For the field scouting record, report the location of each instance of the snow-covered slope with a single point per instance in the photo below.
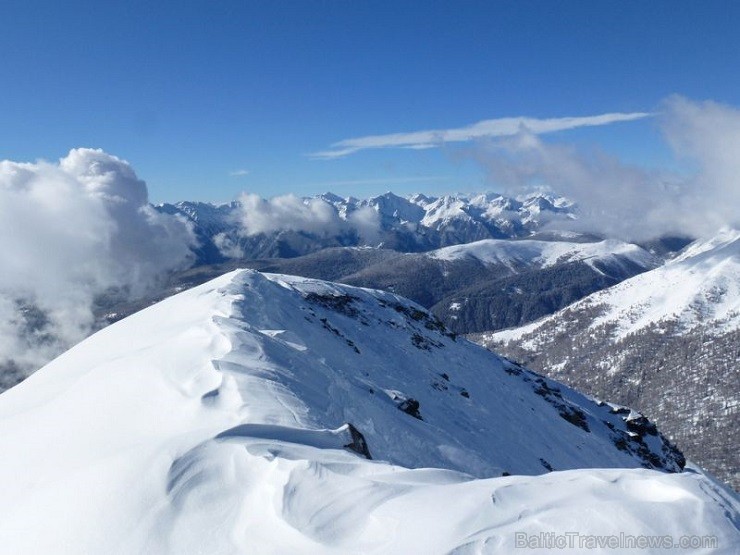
(665, 341)
(240, 417)
(701, 286)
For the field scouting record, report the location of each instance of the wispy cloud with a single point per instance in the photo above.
(623, 200)
(501, 127)
(239, 173)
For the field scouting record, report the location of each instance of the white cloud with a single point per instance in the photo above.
(70, 232)
(239, 173)
(625, 200)
(612, 197)
(366, 221)
(501, 127)
(707, 134)
(289, 212)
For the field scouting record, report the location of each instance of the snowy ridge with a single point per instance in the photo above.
(239, 417)
(700, 286)
(528, 253)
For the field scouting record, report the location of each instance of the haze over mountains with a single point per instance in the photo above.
(481, 286)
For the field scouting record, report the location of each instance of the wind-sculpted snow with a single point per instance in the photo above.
(269, 414)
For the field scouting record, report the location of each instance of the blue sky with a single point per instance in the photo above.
(192, 93)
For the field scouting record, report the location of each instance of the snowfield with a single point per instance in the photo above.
(269, 414)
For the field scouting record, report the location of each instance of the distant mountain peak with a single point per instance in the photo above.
(411, 224)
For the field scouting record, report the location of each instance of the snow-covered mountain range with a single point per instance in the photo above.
(272, 414)
(482, 263)
(486, 285)
(665, 341)
(535, 267)
(289, 226)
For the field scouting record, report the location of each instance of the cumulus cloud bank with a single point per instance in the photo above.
(625, 200)
(501, 127)
(287, 212)
(70, 232)
(310, 215)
